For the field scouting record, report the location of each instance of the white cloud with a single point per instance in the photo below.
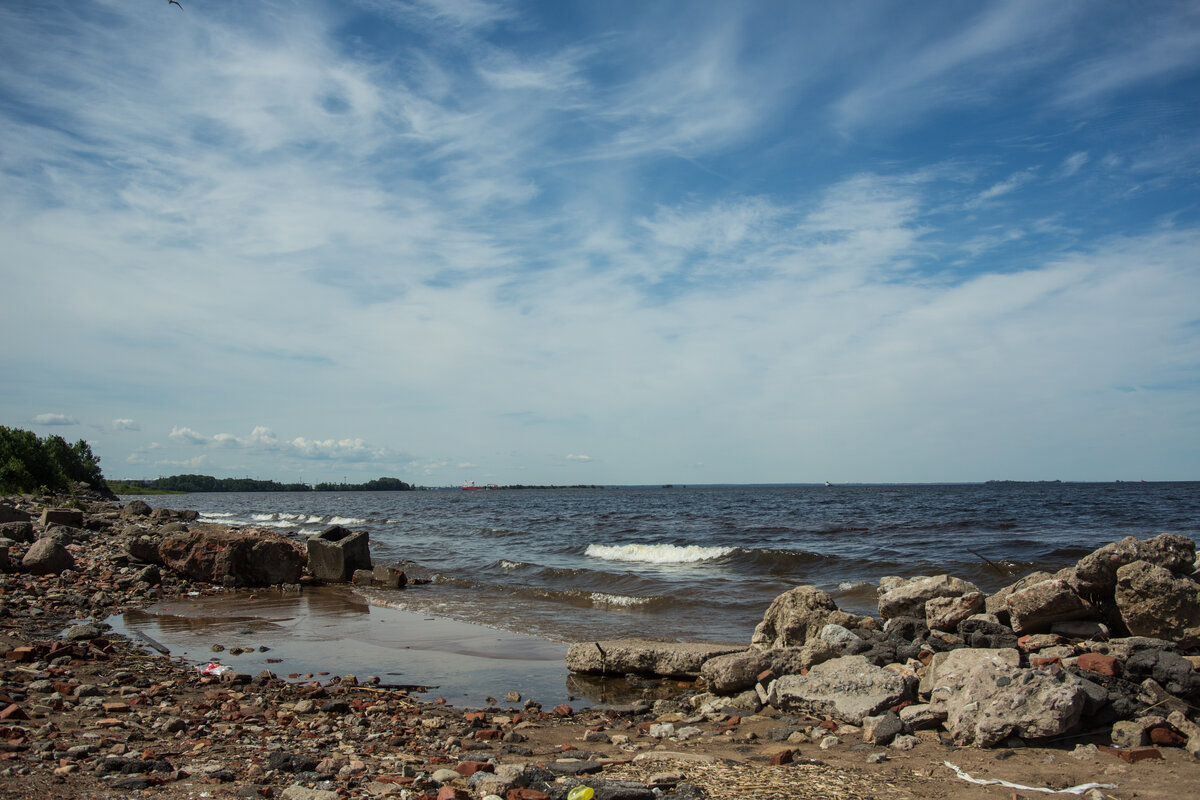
(54, 419)
(125, 425)
(187, 435)
(1009, 184)
(578, 457)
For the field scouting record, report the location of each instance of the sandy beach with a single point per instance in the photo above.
(321, 702)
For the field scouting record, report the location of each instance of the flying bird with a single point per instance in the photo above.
(175, 2)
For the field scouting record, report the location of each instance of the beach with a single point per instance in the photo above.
(96, 711)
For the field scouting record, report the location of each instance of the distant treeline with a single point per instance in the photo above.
(29, 463)
(207, 483)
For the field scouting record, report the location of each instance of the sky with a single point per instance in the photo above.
(604, 242)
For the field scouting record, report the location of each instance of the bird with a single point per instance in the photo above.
(175, 2)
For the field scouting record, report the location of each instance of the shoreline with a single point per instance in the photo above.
(95, 715)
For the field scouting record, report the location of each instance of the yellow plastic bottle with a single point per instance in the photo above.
(580, 793)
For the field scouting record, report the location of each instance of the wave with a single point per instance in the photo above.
(656, 553)
(217, 515)
(284, 520)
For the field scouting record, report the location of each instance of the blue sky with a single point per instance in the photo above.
(619, 242)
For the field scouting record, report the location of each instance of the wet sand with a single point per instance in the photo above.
(333, 631)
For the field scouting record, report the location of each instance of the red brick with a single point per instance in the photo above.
(453, 793)
(1099, 663)
(526, 794)
(562, 710)
(1164, 736)
(13, 711)
(1037, 662)
(469, 768)
(781, 758)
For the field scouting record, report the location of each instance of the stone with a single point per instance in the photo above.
(1082, 629)
(362, 577)
(390, 576)
(793, 618)
(71, 517)
(849, 688)
(645, 657)
(987, 707)
(882, 728)
(299, 792)
(945, 613)
(948, 670)
(336, 552)
(47, 557)
(909, 598)
(1035, 608)
(1096, 574)
(1171, 671)
(734, 672)
(88, 630)
(10, 514)
(17, 531)
(1153, 602)
(920, 716)
(136, 508)
(242, 557)
(1189, 729)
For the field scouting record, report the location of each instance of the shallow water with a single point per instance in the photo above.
(704, 563)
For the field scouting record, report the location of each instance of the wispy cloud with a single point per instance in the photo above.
(125, 425)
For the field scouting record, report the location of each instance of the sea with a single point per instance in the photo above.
(702, 563)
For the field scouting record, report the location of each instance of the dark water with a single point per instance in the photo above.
(704, 563)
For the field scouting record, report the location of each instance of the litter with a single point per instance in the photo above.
(1080, 789)
(213, 668)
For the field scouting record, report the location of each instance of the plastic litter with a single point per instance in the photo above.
(1080, 789)
(580, 792)
(213, 668)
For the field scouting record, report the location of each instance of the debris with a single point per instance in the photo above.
(1080, 789)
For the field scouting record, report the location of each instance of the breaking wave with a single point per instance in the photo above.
(656, 553)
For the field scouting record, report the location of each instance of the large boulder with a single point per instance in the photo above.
(242, 557)
(945, 613)
(136, 508)
(17, 531)
(1153, 602)
(336, 552)
(47, 556)
(1037, 607)
(794, 617)
(849, 688)
(645, 657)
(908, 598)
(1096, 573)
(997, 604)
(988, 706)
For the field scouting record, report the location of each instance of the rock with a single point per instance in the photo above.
(1189, 729)
(390, 576)
(849, 688)
(89, 630)
(71, 517)
(945, 613)
(299, 792)
(1082, 629)
(1153, 602)
(985, 631)
(17, 531)
(10, 514)
(362, 577)
(793, 617)
(1169, 669)
(136, 508)
(881, 729)
(948, 670)
(1036, 608)
(908, 599)
(645, 657)
(734, 672)
(335, 553)
(920, 716)
(47, 557)
(997, 604)
(1096, 574)
(243, 557)
(987, 707)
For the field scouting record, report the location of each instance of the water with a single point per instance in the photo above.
(704, 563)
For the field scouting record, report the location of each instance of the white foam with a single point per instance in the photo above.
(217, 515)
(656, 553)
(505, 564)
(264, 517)
(619, 600)
(340, 520)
